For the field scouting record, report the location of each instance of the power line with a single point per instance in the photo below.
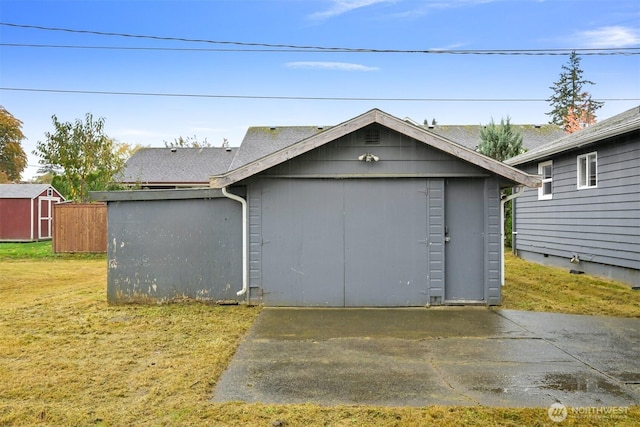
(560, 52)
(179, 49)
(291, 47)
(294, 98)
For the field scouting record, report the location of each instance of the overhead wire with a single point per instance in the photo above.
(251, 46)
(297, 98)
(530, 52)
(268, 47)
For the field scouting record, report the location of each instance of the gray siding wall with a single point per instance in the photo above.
(492, 242)
(435, 240)
(601, 225)
(160, 250)
(254, 203)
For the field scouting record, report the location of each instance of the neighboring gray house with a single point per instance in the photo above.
(373, 212)
(586, 215)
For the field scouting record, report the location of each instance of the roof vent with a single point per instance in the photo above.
(372, 137)
(273, 127)
(174, 149)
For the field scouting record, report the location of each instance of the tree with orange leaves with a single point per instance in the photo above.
(13, 159)
(572, 107)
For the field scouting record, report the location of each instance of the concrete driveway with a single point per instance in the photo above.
(444, 356)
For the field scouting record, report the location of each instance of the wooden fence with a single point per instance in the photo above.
(80, 228)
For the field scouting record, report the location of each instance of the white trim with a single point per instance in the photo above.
(587, 172)
(541, 166)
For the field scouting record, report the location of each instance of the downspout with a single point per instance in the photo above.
(244, 238)
(516, 194)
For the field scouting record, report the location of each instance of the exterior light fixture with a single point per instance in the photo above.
(368, 157)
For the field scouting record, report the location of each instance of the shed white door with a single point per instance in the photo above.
(45, 216)
(344, 242)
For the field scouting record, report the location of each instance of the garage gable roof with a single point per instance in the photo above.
(373, 116)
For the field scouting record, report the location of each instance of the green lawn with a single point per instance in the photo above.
(37, 250)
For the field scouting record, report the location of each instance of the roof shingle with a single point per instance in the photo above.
(179, 165)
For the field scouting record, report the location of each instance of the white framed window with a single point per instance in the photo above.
(588, 171)
(545, 192)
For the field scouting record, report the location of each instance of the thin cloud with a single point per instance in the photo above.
(427, 7)
(615, 36)
(452, 46)
(343, 6)
(341, 66)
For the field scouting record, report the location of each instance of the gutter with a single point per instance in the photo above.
(244, 238)
(515, 195)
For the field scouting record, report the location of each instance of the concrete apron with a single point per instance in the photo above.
(437, 356)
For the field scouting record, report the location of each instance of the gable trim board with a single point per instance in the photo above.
(368, 118)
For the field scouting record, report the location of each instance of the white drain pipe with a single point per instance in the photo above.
(244, 238)
(516, 194)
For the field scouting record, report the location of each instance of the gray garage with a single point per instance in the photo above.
(373, 212)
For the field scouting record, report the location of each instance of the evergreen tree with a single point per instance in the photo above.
(570, 99)
(500, 142)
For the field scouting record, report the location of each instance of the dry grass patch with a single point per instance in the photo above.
(68, 358)
(533, 287)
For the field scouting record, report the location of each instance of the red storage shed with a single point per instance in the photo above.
(26, 212)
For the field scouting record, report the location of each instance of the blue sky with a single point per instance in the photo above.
(402, 84)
